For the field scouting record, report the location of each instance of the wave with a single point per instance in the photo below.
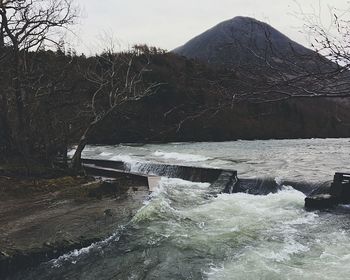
(123, 158)
(105, 154)
(180, 156)
(75, 255)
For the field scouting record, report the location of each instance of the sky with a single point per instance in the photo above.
(171, 23)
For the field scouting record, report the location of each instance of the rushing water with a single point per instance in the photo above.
(185, 232)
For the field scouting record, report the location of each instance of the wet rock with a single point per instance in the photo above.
(4, 255)
(44, 219)
(320, 201)
(338, 193)
(257, 186)
(340, 187)
(108, 212)
(112, 188)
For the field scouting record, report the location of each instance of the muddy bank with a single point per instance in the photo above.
(43, 218)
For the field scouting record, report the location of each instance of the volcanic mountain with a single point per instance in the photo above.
(247, 41)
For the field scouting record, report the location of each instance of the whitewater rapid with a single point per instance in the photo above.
(185, 231)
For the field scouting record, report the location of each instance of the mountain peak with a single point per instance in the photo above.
(238, 39)
(239, 19)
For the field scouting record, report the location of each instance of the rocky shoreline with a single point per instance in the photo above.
(42, 219)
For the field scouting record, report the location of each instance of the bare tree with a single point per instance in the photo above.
(118, 79)
(2, 36)
(333, 42)
(27, 25)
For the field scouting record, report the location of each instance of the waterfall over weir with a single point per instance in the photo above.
(145, 169)
(222, 180)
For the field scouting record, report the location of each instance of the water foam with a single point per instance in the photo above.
(161, 201)
(106, 154)
(75, 255)
(71, 152)
(180, 156)
(124, 158)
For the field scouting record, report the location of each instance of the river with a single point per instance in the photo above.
(185, 232)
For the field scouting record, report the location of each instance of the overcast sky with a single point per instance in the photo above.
(170, 23)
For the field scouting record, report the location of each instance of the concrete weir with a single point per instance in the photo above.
(151, 172)
(150, 180)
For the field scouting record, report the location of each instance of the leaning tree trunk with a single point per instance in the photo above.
(2, 37)
(76, 164)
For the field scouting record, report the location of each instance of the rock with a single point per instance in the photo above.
(338, 193)
(108, 213)
(4, 254)
(320, 201)
(340, 187)
(29, 234)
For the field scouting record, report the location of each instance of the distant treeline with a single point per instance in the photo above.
(193, 102)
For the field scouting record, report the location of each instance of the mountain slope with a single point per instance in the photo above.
(247, 41)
